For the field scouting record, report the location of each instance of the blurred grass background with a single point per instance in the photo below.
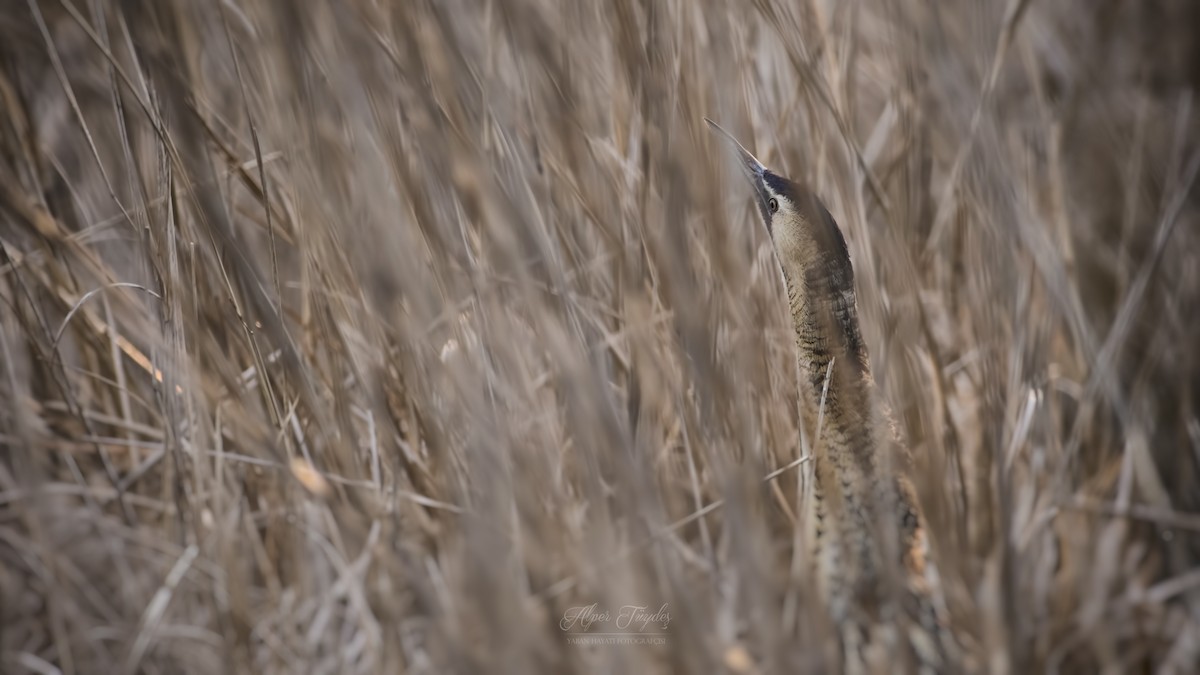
(365, 336)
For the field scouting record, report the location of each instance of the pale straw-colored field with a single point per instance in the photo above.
(354, 336)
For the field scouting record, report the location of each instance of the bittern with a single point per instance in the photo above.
(863, 505)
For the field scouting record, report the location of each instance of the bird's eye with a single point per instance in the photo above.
(773, 205)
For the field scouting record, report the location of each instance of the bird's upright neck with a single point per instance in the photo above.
(834, 366)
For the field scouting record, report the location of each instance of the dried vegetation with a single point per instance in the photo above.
(369, 336)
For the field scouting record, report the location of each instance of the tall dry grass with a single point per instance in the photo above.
(369, 336)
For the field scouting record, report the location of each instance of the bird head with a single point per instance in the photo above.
(808, 243)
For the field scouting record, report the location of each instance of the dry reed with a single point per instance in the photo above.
(365, 336)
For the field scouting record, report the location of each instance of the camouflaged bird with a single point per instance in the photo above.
(864, 528)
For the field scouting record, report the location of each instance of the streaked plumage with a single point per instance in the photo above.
(865, 528)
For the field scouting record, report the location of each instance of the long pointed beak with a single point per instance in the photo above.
(751, 168)
(750, 165)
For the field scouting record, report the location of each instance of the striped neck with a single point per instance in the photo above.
(834, 366)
